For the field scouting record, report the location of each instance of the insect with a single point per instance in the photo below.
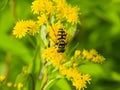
(60, 37)
(61, 40)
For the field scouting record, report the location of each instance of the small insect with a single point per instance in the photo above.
(61, 40)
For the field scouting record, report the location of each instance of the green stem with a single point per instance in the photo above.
(33, 82)
(44, 80)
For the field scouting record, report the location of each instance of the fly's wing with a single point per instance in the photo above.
(72, 32)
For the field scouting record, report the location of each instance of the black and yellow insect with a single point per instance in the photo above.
(61, 40)
(58, 36)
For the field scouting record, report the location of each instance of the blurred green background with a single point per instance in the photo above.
(99, 29)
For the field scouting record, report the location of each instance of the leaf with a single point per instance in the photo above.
(50, 83)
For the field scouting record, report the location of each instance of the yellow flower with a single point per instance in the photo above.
(98, 59)
(32, 27)
(20, 29)
(77, 53)
(71, 14)
(2, 77)
(86, 77)
(80, 84)
(51, 54)
(93, 52)
(24, 27)
(93, 56)
(73, 74)
(42, 6)
(42, 19)
(9, 84)
(70, 73)
(49, 7)
(19, 86)
(37, 6)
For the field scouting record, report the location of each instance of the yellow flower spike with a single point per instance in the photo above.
(85, 53)
(80, 84)
(32, 27)
(20, 29)
(42, 6)
(77, 53)
(38, 6)
(49, 7)
(98, 59)
(51, 54)
(93, 52)
(71, 14)
(2, 77)
(19, 86)
(42, 19)
(9, 84)
(86, 77)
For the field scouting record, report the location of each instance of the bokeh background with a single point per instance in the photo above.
(99, 29)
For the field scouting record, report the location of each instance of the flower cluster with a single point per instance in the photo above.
(48, 12)
(57, 8)
(56, 15)
(86, 56)
(93, 56)
(51, 54)
(73, 74)
(24, 27)
(69, 68)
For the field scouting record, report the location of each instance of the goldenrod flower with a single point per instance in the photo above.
(86, 77)
(19, 86)
(93, 56)
(49, 8)
(73, 74)
(87, 55)
(42, 6)
(71, 14)
(42, 19)
(51, 54)
(37, 6)
(93, 52)
(77, 53)
(98, 59)
(24, 27)
(80, 83)
(32, 27)
(2, 77)
(20, 29)
(9, 84)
